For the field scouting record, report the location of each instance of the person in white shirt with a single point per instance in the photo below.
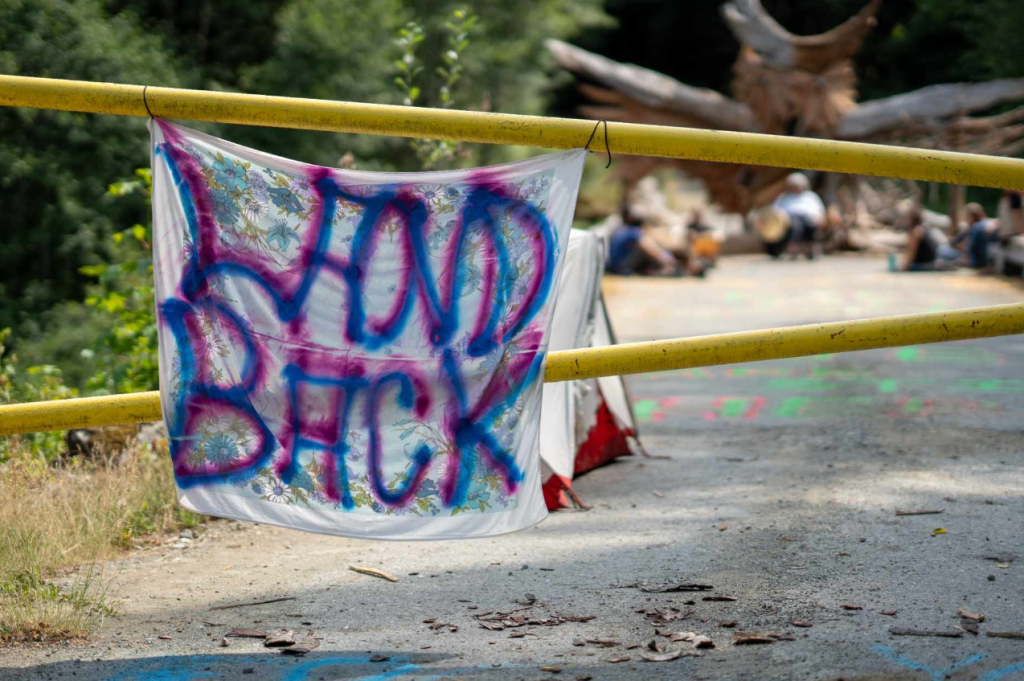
(806, 212)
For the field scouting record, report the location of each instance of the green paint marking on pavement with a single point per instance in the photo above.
(643, 409)
(913, 406)
(734, 407)
(822, 406)
(792, 406)
(802, 385)
(995, 385)
(887, 385)
(910, 354)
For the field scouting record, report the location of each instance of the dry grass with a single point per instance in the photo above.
(58, 523)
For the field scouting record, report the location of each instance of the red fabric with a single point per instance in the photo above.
(605, 441)
(554, 492)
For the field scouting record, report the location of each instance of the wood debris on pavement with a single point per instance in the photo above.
(280, 639)
(526, 616)
(703, 642)
(664, 616)
(373, 572)
(246, 633)
(968, 615)
(246, 605)
(661, 657)
(745, 639)
(900, 631)
(302, 647)
(674, 588)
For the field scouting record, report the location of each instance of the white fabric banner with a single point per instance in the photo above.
(356, 353)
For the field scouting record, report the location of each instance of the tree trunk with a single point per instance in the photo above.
(780, 49)
(931, 103)
(655, 90)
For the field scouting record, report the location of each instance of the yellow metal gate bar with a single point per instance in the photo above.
(535, 131)
(630, 358)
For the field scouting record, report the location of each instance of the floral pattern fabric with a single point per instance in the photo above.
(356, 353)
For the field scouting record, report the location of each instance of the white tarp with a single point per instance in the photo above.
(580, 321)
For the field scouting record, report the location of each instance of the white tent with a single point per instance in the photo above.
(584, 424)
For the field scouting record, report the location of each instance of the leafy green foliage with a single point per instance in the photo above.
(54, 166)
(409, 37)
(432, 153)
(30, 384)
(127, 353)
(328, 49)
(216, 38)
(122, 357)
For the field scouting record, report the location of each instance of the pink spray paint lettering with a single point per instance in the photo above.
(350, 341)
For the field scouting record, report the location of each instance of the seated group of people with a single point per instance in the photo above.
(929, 250)
(791, 224)
(633, 251)
(793, 221)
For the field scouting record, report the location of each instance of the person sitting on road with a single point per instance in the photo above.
(805, 210)
(926, 250)
(701, 247)
(697, 226)
(979, 234)
(630, 251)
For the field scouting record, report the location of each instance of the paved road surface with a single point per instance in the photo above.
(781, 491)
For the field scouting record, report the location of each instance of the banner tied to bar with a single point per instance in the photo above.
(355, 353)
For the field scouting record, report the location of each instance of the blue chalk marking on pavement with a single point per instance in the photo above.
(192, 667)
(277, 667)
(997, 674)
(302, 672)
(890, 654)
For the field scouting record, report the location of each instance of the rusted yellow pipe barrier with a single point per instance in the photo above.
(81, 412)
(793, 341)
(534, 131)
(615, 360)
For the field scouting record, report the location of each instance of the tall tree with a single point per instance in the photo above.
(215, 38)
(345, 50)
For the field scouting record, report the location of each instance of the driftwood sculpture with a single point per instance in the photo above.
(792, 85)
